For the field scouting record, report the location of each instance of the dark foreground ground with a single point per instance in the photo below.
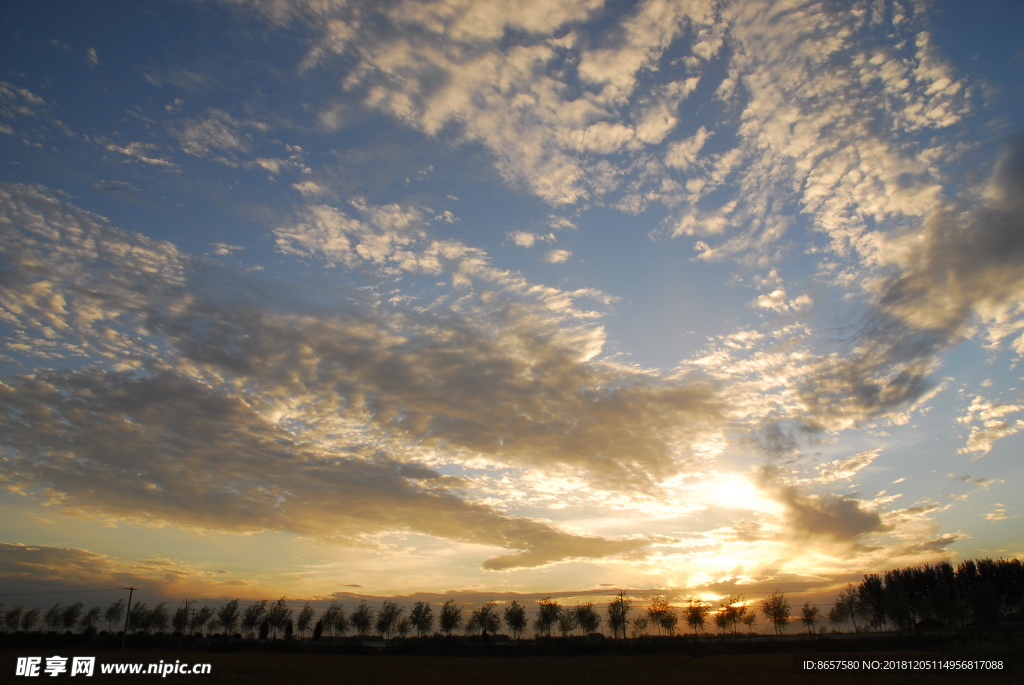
(655, 669)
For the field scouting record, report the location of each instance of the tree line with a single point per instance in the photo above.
(975, 593)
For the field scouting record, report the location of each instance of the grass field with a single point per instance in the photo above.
(267, 669)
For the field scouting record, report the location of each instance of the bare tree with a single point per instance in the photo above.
(451, 617)
(515, 619)
(809, 616)
(618, 615)
(422, 618)
(775, 608)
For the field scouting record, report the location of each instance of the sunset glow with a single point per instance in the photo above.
(452, 296)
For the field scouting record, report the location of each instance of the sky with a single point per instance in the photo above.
(303, 297)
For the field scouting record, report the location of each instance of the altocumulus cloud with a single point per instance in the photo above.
(233, 416)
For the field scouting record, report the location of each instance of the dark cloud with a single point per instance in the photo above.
(168, 449)
(832, 518)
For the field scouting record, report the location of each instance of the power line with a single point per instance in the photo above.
(56, 592)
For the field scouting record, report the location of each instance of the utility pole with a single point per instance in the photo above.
(127, 614)
(184, 627)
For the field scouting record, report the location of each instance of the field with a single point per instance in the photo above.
(662, 669)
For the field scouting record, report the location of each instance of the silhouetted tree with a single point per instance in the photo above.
(139, 618)
(722, 621)
(114, 614)
(451, 617)
(159, 617)
(70, 615)
(618, 615)
(639, 625)
(487, 617)
(809, 616)
(201, 619)
(90, 618)
(12, 618)
(749, 619)
(341, 623)
(318, 630)
(362, 618)
(872, 597)
(264, 629)
(697, 614)
(53, 617)
(388, 617)
(515, 619)
(732, 611)
(29, 619)
(278, 616)
(229, 615)
(331, 614)
(587, 617)
(288, 628)
(403, 626)
(422, 618)
(548, 611)
(180, 620)
(305, 621)
(567, 621)
(213, 626)
(775, 608)
(656, 610)
(253, 616)
(845, 608)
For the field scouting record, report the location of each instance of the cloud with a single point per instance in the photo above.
(222, 249)
(557, 256)
(139, 152)
(964, 264)
(38, 569)
(219, 132)
(260, 414)
(837, 518)
(847, 468)
(543, 105)
(91, 57)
